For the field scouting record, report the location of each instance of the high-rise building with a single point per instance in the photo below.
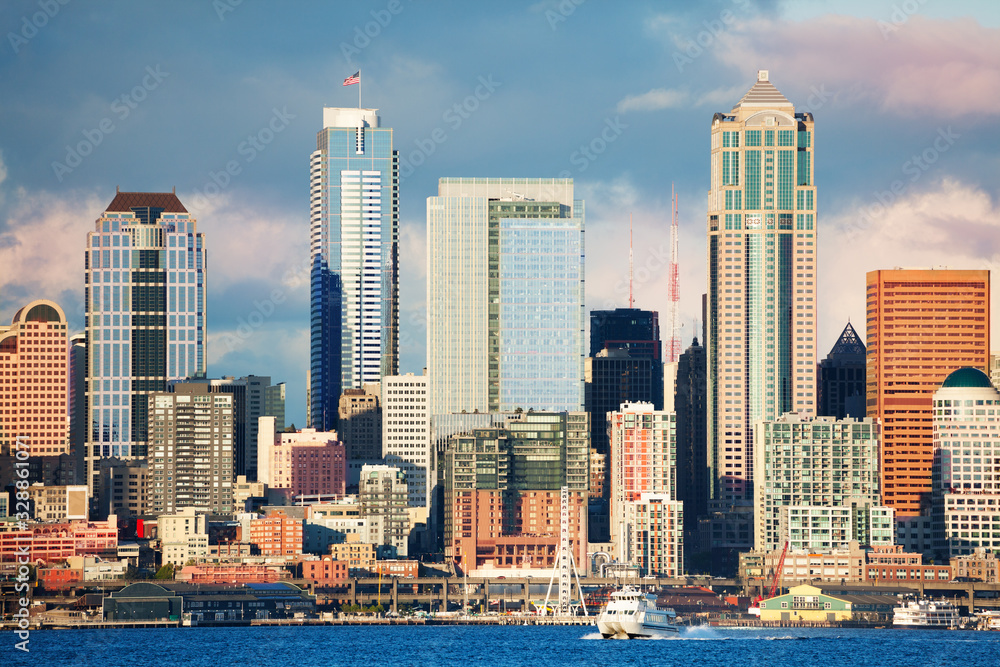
(922, 325)
(841, 378)
(125, 487)
(250, 402)
(191, 449)
(643, 460)
(384, 497)
(354, 211)
(761, 345)
(806, 465)
(502, 485)
(655, 539)
(302, 463)
(78, 404)
(625, 366)
(966, 472)
(692, 452)
(33, 364)
(505, 295)
(360, 428)
(406, 433)
(145, 318)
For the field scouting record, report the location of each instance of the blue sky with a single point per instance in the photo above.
(618, 96)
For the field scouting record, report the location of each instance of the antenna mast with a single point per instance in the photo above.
(673, 289)
(630, 260)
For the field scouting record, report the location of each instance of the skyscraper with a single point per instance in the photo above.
(692, 459)
(841, 378)
(33, 359)
(922, 325)
(354, 212)
(761, 346)
(505, 295)
(406, 433)
(145, 317)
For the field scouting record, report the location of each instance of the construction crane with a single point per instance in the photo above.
(777, 577)
(673, 287)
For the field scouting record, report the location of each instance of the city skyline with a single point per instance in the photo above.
(906, 149)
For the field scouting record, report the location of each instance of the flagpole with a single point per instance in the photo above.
(359, 87)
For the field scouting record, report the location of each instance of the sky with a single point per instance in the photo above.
(222, 99)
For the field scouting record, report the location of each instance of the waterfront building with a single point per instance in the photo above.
(301, 463)
(655, 541)
(191, 449)
(183, 535)
(762, 243)
(841, 378)
(805, 464)
(502, 493)
(852, 564)
(33, 381)
(326, 571)
(354, 213)
(966, 470)
(922, 326)
(406, 433)
(980, 565)
(144, 298)
(643, 460)
(384, 495)
(276, 534)
(55, 542)
(811, 604)
(359, 556)
(505, 296)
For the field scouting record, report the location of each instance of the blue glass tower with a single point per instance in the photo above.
(354, 213)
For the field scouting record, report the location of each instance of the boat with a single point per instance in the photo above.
(633, 614)
(925, 615)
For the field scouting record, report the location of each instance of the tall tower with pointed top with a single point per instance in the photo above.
(761, 344)
(840, 378)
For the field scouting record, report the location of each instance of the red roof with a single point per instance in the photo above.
(126, 201)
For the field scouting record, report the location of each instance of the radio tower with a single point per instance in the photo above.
(673, 290)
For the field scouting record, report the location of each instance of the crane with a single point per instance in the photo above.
(777, 577)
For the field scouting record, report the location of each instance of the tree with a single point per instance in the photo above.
(165, 572)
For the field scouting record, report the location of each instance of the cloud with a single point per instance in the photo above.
(3, 169)
(667, 98)
(949, 223)
(943, 68)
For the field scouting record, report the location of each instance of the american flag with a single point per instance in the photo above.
(353, 79)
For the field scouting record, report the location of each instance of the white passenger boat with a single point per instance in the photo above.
(925, 615)
(632, 613)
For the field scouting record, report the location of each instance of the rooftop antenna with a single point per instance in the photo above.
(630, 261)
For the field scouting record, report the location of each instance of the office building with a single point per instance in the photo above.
(276, 534)
(922, 326)
(841, 378)
(183, 535)
(59, 503)
(502, 493)
(78, 404)
(125, 487)
(406, 433)
(692, 452)
(966, 470)
(33, 363)
(655, 539)
(354, 213)
(191, 449)
(819, 462)
(360, 428)
(762, 229)
(145, 316)
(505, 295)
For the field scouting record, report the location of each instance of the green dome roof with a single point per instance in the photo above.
(967, 377)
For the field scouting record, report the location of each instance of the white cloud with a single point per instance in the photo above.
(3, 169)
(654, 100)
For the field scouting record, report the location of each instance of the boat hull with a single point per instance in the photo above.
(618, 629)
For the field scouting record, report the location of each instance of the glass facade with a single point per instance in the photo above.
(354, 254)
(505, 295)
(761, 346)
(145, 317)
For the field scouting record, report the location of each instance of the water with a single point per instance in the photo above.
(528, 646)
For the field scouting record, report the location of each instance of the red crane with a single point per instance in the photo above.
(777, 576)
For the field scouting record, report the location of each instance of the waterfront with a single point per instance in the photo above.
(532, 646)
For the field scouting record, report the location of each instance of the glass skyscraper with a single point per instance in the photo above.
(505, 295)
(354, 213)
(761, 346)
(144, 300)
